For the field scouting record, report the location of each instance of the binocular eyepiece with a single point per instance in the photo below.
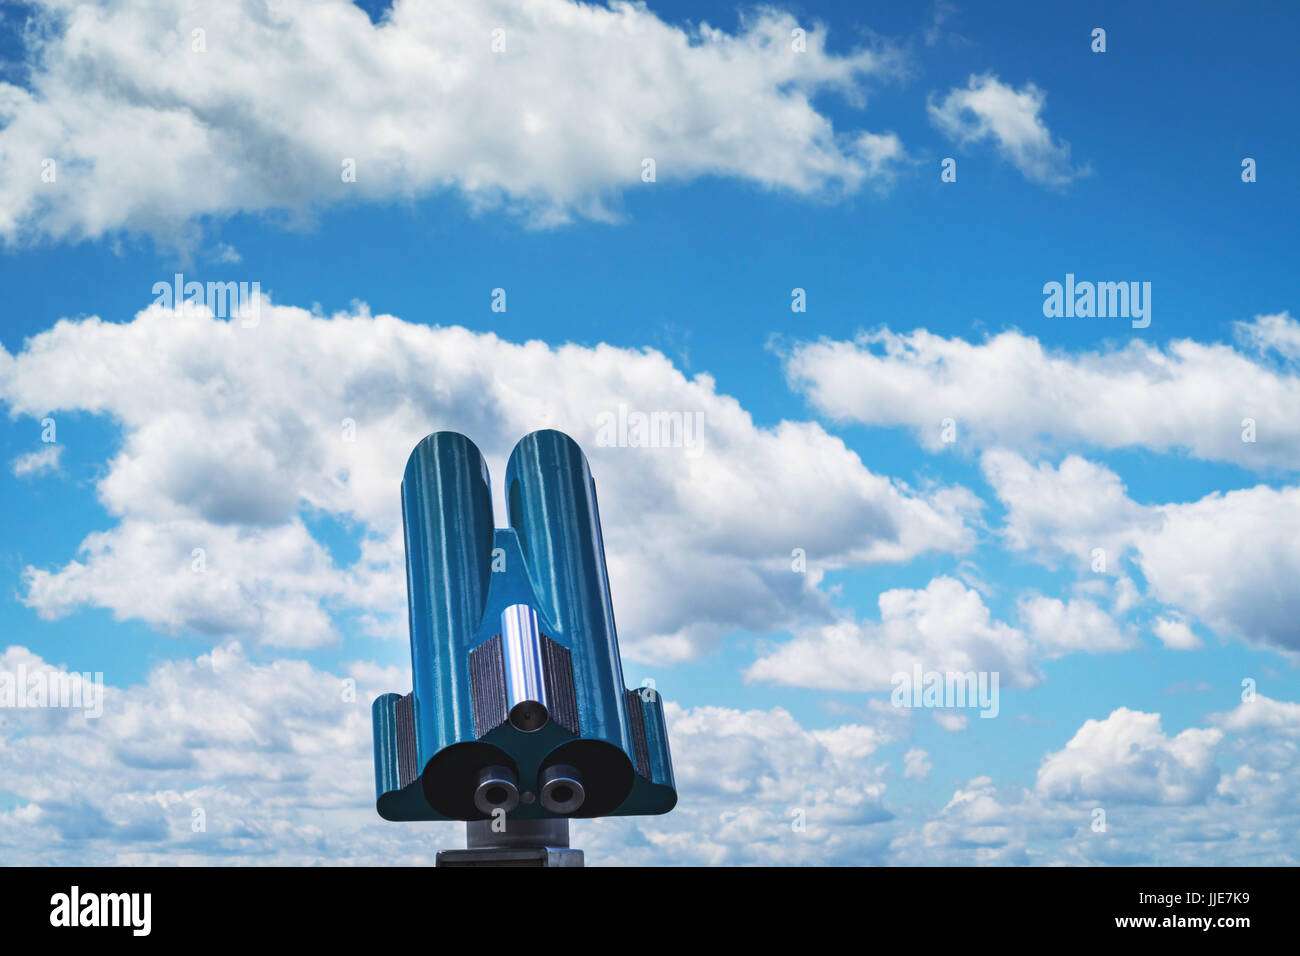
(559, 789)
(497, 789)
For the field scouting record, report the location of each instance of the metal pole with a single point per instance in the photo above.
(519, 843)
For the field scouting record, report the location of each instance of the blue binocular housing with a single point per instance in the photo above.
(519, 704)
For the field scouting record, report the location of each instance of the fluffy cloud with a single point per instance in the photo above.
(1175, 633)
(1066, 627)
(1264, 734)
(157, 113)
(234, 440)
(1011, 391)
(1065, 511)
(1279, 717)
(1127, 768)
(1126, 758)
(988, 109)
(1226, 558)
(943, 627)
(982, 825)
(953, 723)
(1230, 559)
(273, 757)
(1271, 333)
(756, 787)
(916, 764)
(206, 577)
(37, 462)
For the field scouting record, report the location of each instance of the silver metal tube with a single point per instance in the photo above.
(520, 833)
(525, 679)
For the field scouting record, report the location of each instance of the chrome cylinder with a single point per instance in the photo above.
(479, 834)
(521, 646)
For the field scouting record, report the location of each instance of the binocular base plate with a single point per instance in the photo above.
(520, 843)
(511, 856)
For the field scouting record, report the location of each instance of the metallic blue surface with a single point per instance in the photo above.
(385, 742)
(447, 512)
(462, 574)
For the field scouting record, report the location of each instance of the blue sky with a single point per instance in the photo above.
(1123, 165)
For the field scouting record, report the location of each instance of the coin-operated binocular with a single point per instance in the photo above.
(519, 718)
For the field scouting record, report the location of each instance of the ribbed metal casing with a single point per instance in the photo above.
(490, 688)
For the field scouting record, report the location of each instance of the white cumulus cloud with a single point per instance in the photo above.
(1127, 758)
(1226, 558)
(1175, 633)
(1067, 627)
(988, 109)
(1012, 392)
(943, 627)
(158, 112)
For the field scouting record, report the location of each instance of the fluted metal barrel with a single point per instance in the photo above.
(447, 513)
